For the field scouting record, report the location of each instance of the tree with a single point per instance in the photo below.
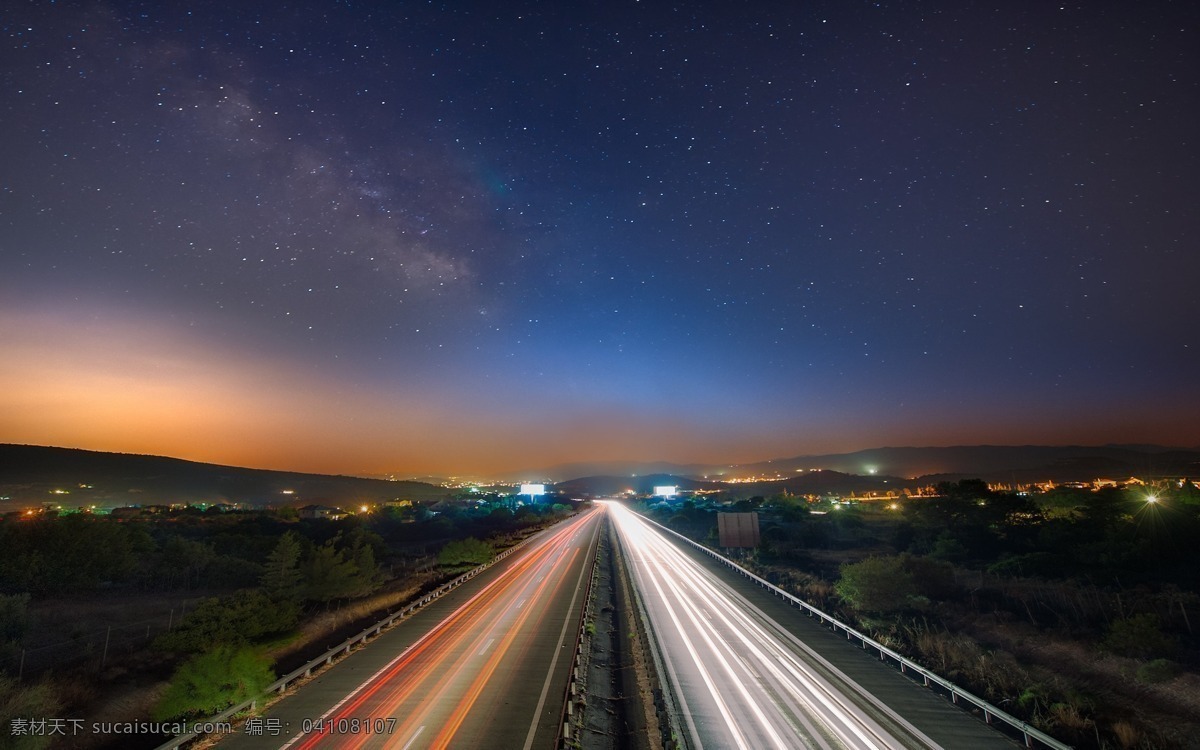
(282, 579)
(181, 563)
(498, 521)
(232, 572)
(948, 547)
(367, 570)
(14, 618)
(965, 489)
(64, 554)
(212, 681)
(877, 584)
(790, 508)
(328, 575)
(244, 618)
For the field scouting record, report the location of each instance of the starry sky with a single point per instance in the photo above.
(453, 237)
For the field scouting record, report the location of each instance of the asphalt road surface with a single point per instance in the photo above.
(484, 666)
(744, 681)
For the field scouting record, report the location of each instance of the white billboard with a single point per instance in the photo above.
(532, 489)
(666, 490)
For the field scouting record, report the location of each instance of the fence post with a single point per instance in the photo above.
(104, 656)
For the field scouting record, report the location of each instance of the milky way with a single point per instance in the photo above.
(463, 237)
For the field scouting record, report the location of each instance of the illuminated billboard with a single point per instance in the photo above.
(666, 490)
(532, 489)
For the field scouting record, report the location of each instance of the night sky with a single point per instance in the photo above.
(464, 237)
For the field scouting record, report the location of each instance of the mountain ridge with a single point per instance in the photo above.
(912, 462)
(32, 474)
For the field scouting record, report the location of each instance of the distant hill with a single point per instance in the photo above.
(810, 482)
(614, 485)
(587, 469)
(30, 474)
(826, 482)
(998, 463)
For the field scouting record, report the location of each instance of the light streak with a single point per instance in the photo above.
(464, 706)
(740, 674)
(437, 680)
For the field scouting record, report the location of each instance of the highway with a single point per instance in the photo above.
(740, 679)
(484, 666)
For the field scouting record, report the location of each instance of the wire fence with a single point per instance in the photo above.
(94, 649)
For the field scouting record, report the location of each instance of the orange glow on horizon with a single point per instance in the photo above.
(131, 383)
(125, 385)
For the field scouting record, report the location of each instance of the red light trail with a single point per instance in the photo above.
(447, 687)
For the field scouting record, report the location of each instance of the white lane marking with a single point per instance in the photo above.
(804, 685)
(562, 638)
(541, 540)
(486, 646)
(413, 739)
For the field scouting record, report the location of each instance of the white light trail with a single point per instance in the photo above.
(741, 675)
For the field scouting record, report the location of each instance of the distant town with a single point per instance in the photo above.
(466, 496)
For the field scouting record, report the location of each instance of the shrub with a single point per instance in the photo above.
(1070, 715)
(877, 584)
(1034, 698)
(1127, 734)
(933, 578)
(468, 551)
(210, 682)
(247, 616)
(1140, 637)
(1159, 670)
(26, 701)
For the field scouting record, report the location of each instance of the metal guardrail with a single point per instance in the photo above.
(576, 682)
(905, 664)
(342, 649)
